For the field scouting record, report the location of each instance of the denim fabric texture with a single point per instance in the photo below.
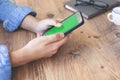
(5, 66)
(12, 15)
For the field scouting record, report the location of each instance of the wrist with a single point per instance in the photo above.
(30, 23)
(19, 57)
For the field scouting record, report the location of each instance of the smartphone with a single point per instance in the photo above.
(68, 25)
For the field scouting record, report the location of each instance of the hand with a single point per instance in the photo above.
(40, 47)
(46, 24)
(32, 24)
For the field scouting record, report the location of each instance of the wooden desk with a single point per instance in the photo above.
(92, 53)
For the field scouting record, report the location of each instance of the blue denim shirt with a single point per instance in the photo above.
(11, 15)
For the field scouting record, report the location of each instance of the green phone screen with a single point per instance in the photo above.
(68, 24)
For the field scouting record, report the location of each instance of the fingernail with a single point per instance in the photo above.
(58, 25)
(62, 35)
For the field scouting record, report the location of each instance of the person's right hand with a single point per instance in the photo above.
(40, 47)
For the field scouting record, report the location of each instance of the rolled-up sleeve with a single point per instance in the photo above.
(5, 66)
(12, 15)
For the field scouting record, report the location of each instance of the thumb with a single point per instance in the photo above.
(52, 22)
(54, 38)
(48, 23)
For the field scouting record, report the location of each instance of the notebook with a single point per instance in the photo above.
(90, 11)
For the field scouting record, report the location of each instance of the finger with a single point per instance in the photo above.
(59, 20)
(52, 22)
(45, 24)
(53, 38)
(60, 43)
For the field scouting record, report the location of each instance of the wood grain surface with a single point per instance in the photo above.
(92, 52)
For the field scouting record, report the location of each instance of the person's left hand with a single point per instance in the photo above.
(33, 24)
(46, 24)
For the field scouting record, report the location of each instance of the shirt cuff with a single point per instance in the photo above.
(5, 66)
(16, 17)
